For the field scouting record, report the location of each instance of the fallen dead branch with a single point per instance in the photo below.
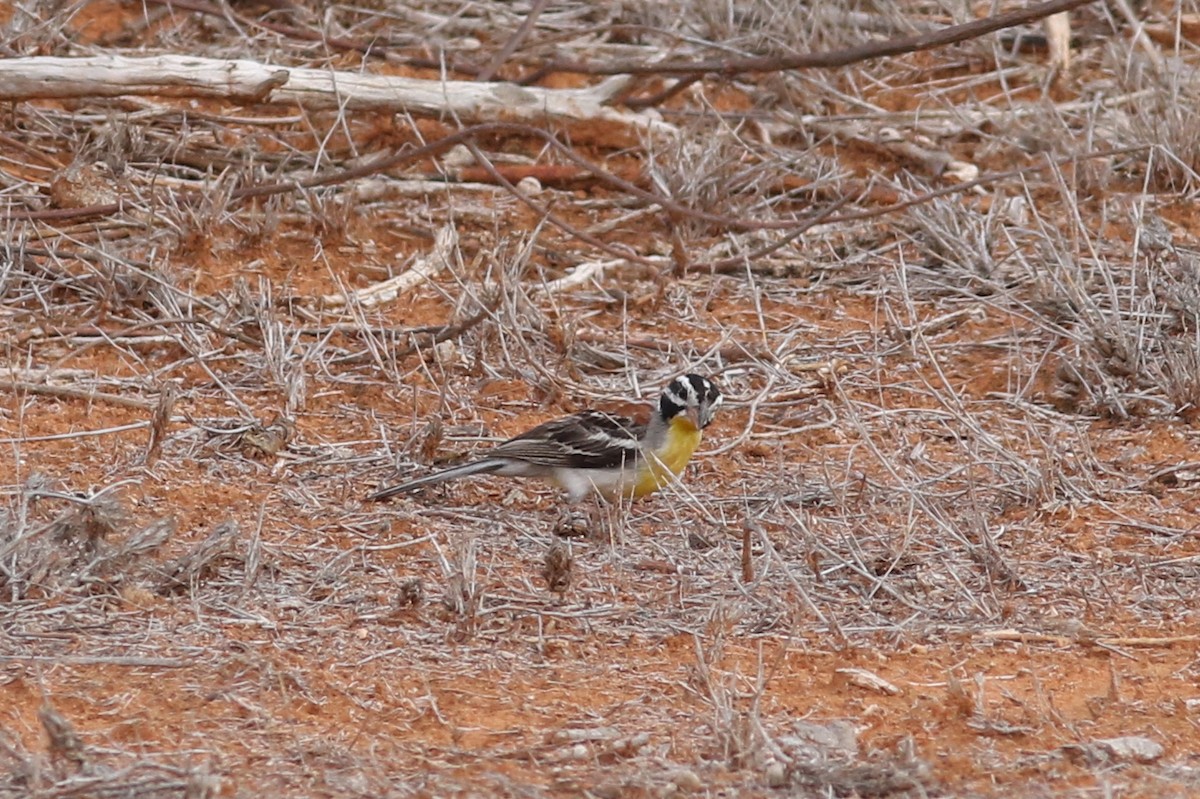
(90, 395)
(105, 431)
(104, 660)
(582, 274)
(423, 269)
(244, 81)
(1087, 640)
(863, 678)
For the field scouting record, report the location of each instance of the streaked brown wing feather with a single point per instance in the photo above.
(587, 440)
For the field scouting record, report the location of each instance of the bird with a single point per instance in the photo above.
(595, 451)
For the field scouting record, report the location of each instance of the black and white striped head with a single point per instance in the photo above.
(696, 397)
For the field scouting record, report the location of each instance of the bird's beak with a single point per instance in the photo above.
(693, 416)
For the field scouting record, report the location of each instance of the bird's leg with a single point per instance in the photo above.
(600, 528)
(608, 519)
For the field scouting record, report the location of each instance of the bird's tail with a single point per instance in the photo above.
(453, 473)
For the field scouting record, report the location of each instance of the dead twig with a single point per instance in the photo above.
(21, 386)
(425, 268)
(838, 58)
(514, 41)
(1064, 640)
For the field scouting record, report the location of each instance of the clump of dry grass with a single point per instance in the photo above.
(1128, 318)
(1162, 116)
(962, 249)
(68, 765)
(87, 544)
(201, 562)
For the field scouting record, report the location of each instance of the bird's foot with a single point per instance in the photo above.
(573, 523)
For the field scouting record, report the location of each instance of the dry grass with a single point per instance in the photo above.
(959, 419)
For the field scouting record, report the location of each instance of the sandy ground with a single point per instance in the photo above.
(941, 540)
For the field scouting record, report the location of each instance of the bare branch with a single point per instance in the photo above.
(838, 58)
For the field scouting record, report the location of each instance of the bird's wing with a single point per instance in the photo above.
(587, 440)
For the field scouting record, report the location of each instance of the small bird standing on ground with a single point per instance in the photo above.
(602, 452)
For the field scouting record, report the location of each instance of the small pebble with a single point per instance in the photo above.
(776, 773)
(686, 780)
(1131, 748)
(529, 186)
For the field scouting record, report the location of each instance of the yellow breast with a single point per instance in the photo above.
(669, 461)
